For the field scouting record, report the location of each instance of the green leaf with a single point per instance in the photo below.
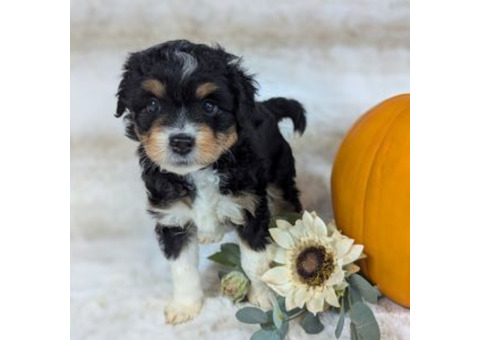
(231, 248)
(269, 324)
(231, 252)
(283, 308)
(354, 295)
(279, 333)
(269, 315)
(278, 316)
(341, 319)
(346, 300)
(282, 332)
(293, 311)
(222, 259)
(251, 315)
(365, 323)
(311, 324)
(366, 290)
(353, 332)
(264, 334)
(229, 255)
(281, 303)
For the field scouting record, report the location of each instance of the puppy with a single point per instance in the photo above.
(212, 159)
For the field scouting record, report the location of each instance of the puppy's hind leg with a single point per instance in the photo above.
(180, 247)
(255, 263)
(255, 254)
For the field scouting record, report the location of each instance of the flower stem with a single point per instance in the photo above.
(294, 316)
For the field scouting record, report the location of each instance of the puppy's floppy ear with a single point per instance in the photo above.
(244, 88)
(121, 106)
(128, 69)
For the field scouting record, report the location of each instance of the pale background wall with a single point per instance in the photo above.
(338, 57)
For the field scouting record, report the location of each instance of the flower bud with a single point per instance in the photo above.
(235, 286)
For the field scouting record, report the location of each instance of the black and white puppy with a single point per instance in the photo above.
(212, 159)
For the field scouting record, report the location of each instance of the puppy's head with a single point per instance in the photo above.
(186, 103)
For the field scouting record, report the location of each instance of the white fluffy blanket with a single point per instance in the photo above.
(120, 282)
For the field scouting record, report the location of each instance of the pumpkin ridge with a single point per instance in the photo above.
(369, 176)
(371, 193)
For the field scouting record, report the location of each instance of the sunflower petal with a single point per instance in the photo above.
(316, 304)
(289, 302)
(353, 254)
(298, 231)
(337, 277)
(280, 255)
(341, 286)
(331, 297)
(310, 293)
(300, 297)
(343, 245)
(282, 238)
(282, 290)
(307, 218)
(331, 227)
(276, 276)
(314, 226)
(283, 225)
(320, 226)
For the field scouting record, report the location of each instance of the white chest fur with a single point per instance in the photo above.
(210, 210)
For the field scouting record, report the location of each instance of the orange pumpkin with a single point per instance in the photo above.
(371, 194)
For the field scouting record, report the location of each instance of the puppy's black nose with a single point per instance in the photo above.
(181, 143)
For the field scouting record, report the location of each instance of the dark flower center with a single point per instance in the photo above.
(314, 265)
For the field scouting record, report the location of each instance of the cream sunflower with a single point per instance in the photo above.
(313, 262)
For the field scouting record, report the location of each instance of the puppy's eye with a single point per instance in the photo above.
(210, 107)
(153, 106)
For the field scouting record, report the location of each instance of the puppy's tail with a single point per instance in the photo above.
(288, 108)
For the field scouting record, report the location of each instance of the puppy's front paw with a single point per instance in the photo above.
(260, 295)
(210, 237)
(176, 313)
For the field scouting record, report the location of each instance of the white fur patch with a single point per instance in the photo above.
(187, 291)
(255, 264)
(189, 63)
(210, 211)
(177, 214)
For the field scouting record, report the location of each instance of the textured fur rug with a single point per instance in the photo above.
(119, 279)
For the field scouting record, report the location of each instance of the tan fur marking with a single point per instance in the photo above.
(205, 89)
(276, 203)
(247, 201)
(154, 86)
(211, 147)
(187, 201)
(155, 144)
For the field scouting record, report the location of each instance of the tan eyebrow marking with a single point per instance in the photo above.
(154, 86)
(205, 89)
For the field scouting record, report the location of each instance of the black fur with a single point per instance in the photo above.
(173, 239)
(163, 188)
(260, 157)
(287, 108)
(255, 230)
